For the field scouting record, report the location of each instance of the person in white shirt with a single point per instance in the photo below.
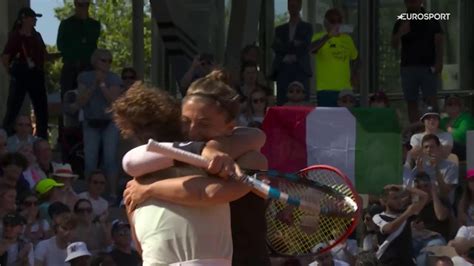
(430, 119)
(96, 187)
(52, 251)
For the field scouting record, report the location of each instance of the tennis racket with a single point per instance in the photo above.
(294, 232)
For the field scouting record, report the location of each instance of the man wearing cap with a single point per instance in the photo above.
(47, 191)
(77, 40)
(23, 57)
(458, 122)
(78, 254)
(13, 249)
(122, 252)
(430, 119)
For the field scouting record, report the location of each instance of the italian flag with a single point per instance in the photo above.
(363, 143)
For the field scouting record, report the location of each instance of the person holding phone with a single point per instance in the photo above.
(202, 65)
(335, 50)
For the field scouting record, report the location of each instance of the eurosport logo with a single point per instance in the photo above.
(424, 16)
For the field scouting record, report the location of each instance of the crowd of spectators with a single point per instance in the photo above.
(57, 209)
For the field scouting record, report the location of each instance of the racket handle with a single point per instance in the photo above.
(177, 154)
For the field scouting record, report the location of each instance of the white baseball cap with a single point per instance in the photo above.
(76, 250)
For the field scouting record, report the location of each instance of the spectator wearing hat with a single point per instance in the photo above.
(53, 252)
(78, 254)
(444, 172)
(122, 252)
(466, 204)
(335, 51)
(458, 122)
(346, 99)
(63, 174)
(48, 192)
(94, 231)
(430, 119)
(13, 249)
(296, 95)
(379, 100)
(23, 57)
(77, 40)
(96, 187)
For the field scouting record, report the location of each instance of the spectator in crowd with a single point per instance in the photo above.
(122, 252)
(78, 254)
(335, 50)
(457, 123)
(394, 230)
(369, 240)
(63, 174)
(13, 165)
(346, 99)
(93, 231)
(442, 171)
(464, 239)
(98, 89)
(52, 251)
(48, 193)
(3, 142)
(202, 65)
(465, 209)
(23, 131)
(430, 119)
(7, 201)
(366, 258)
(254, 114)
(291, 48)
(44, 157)
(296, 95)
(24, 57)
(103, 259)
(15, 250)
(431, 226)
(421, 63)
(249, 81)
(56, 209)
(379, 100)
(77, 40)
(443, 261)
(36, 229)
(32, 174)
(326, 258)
(129, 76)
(96, 187)
(250, 54)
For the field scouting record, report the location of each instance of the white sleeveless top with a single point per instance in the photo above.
(171, 233)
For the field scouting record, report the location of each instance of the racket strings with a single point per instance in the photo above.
(293, 231)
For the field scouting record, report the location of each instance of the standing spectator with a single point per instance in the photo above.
(421, 57)
(457, 123)
(93, 231)
(254, 114)
(334, 52)
(122, 252)
(394, 236)
(14, 250)
(78, 254)
(3, 142)
(44, 157)
(379, 100)
(52, 252)
(129, 76)
(77, 40)
(430, 120)
(291, 48)
(23, 133)
(23, 57)
(440, 170)
(96, 187)
(97, 90)
(466, 204)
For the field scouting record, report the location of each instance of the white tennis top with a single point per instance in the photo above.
(171, 233)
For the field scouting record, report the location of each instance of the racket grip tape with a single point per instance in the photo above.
(177, 154)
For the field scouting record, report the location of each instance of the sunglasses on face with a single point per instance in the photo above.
(258, 100)
(84, 210)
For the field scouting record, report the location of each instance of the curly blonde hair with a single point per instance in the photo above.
(215, 88)
(144, 112)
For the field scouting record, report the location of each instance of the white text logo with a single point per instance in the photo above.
(424, 16)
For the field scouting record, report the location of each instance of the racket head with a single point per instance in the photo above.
(307, 231)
